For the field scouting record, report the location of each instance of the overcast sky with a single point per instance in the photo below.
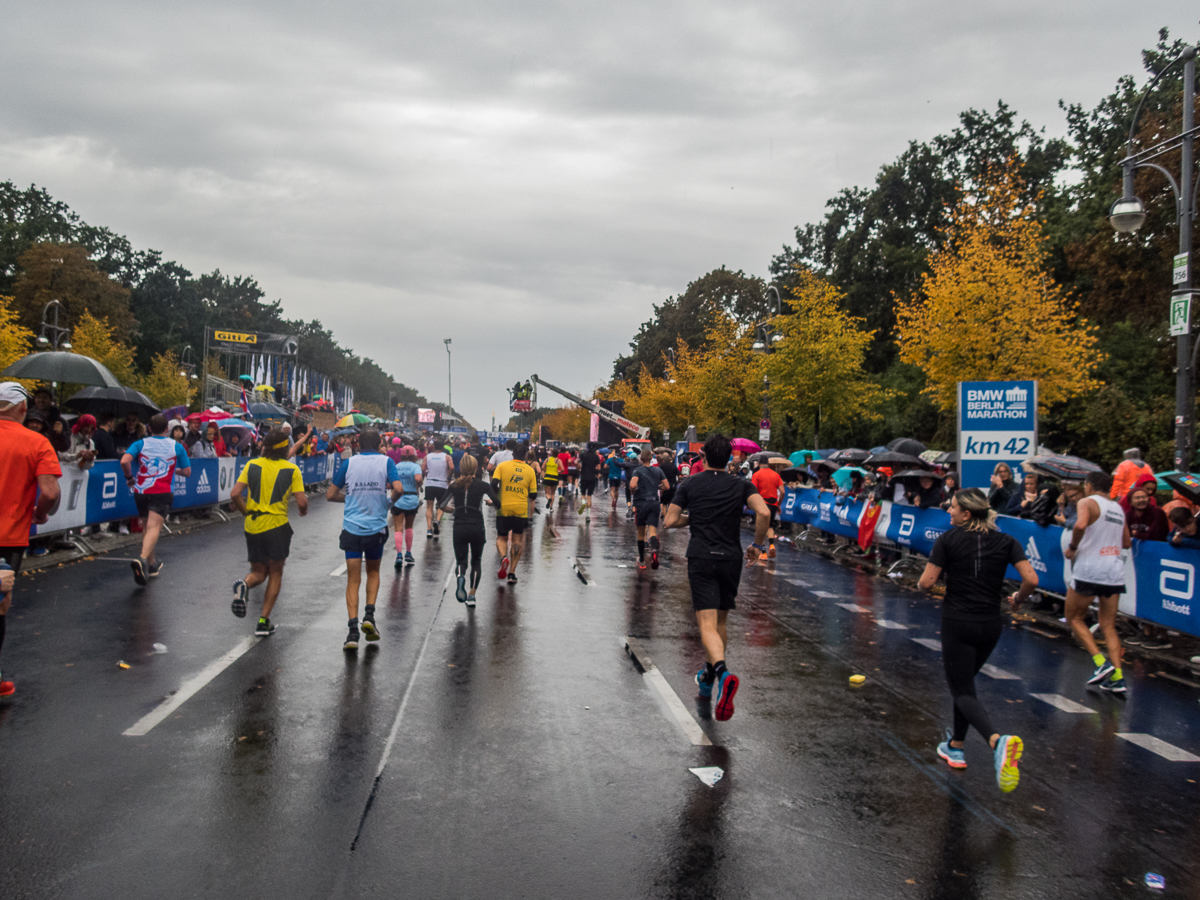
(526, 178)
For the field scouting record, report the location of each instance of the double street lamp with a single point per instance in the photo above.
(187, 365)
(1127, 216)
(765, 340)
(53, 336)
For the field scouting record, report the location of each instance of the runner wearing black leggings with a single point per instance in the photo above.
(466, 493)
(975, 557)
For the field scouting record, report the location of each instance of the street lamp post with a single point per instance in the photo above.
(765, 339)
(449, 385)
(1127, 216)
(58, 334)
(187, 365)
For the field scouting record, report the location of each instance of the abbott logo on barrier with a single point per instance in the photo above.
(1180, 583)
(907, 522)
(789, 502)
(1035, 558)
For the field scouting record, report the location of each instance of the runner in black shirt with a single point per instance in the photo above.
(666, 462)
(975, 557)
(714, 500)
(645, 483)
(466, 493)
(589, 474)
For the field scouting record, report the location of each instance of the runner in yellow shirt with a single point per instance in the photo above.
(261, 495)
(515, 482)
(550, 480)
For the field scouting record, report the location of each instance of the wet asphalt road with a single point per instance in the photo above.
(530, 756)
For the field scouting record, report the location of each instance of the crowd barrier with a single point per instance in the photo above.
(1160, 580)
(99, 494)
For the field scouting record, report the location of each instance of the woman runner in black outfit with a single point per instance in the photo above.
(467, 493)
(975, 557)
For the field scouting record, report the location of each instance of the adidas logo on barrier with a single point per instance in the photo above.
(203, 486)
(1035, 558)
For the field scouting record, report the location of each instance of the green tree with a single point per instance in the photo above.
(63, 272)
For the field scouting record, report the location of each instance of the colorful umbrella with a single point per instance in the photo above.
(798, 459)
(1060, 466)
(745, 446)
(265, 387)
(352, 419)
(842, 476)
(234, 426)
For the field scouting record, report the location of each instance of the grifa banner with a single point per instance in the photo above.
(1160, 580)
(233, 340)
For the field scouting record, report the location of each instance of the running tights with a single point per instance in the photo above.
(473, 540)
(966, 646)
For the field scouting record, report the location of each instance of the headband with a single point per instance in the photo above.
(285, 442)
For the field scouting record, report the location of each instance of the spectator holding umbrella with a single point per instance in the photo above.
(129, 431)
(1068, 505)
(60, 440)
(43, 402)
(1022, 497)
(82, 452)
(212, 438)
(103, 439)
(949, 488)
(1146, 521)
(927, 494)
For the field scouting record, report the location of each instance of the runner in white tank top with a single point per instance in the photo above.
(1099, 536)
(439, 469)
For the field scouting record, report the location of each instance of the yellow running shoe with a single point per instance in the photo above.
(1008, 753)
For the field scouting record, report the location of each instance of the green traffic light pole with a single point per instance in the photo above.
(1128, 214)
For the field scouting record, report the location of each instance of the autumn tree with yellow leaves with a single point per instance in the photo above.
(15, 338)
(989, 309)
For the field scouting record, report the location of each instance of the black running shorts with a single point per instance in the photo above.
(714, 582)
(1091, 589)
(434, 494)
(148, 503)
(587, 487)
(550, 480)
(269, 546)
(363, 546)
(511, 524)
(646, 512)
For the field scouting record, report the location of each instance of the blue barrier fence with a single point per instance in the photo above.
(1160, 580)
(99, 494)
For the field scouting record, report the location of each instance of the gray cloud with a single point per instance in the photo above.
(526, 178)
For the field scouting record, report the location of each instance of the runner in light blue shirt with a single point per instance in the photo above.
(404, 509)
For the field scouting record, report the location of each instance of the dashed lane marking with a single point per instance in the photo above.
(998, 673)
(931, 643)
(1162, 748)
(189, 689)
(853, 607)
(888, 623)
(798, 583)
(340, 570)
(673, 707)
(824, 594)
(1058, 701)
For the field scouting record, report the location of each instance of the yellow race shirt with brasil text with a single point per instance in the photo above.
(518, 483)
(269, 483)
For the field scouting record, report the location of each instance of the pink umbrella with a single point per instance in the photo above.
(745, 445)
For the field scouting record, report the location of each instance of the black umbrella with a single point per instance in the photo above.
(762, 456)
(1060, 466)
(910, 446)
(946, 459)
(1188, 485)
(57, 365)
(791, 475)
(120, 401)
(913, 474)
(264, 410)
(825, 464)
(894, 458)
(849, 455)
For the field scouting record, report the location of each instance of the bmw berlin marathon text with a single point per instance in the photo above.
(997, 422)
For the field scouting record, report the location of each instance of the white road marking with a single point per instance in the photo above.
(672, 706)
(1000, 674)
(798, 583)
(824, 594)
(678, 712)
(1058, 701)
(888, 623)
(853, 607)
(189, 689)
(1162, 748)
(412, 679)
(931, 643)
(340, 570)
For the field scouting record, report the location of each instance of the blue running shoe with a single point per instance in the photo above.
(704, 684)
(954, 756)
(727, 686)
(239, 599)
(1113, 686)
(1008, 753)
(460, 592)
(409, 559)
(1102, 671)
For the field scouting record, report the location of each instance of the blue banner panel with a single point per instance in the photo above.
(997, 422)
(1043, 546)
(915, 528)
(108, 497)
(1166, 585)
